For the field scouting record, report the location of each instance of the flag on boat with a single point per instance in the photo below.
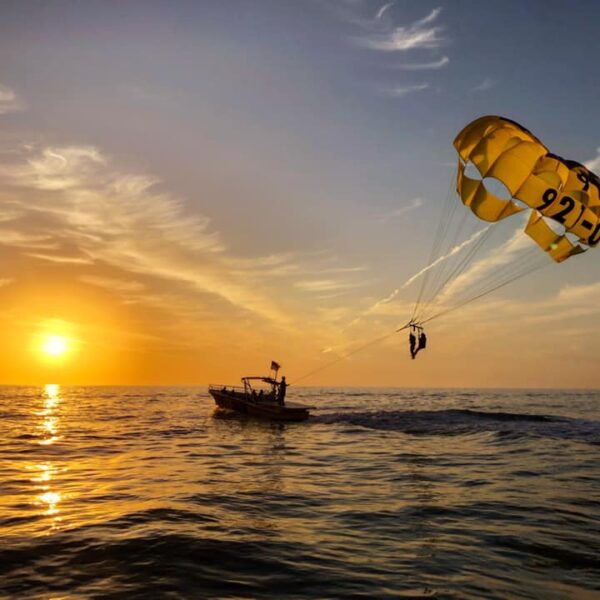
(275, 366)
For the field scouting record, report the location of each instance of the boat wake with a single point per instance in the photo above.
(465, 422)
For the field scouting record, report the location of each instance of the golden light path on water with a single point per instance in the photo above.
(89, 461)
(48, 497)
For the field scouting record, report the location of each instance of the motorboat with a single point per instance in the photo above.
(259, 397)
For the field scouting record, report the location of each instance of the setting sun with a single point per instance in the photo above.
(55, 345)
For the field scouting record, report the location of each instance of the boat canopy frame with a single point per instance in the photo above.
(247, 381)
(249, 390)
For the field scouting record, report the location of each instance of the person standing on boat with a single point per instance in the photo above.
(282, 387)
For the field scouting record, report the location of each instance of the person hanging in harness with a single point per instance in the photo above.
(412, 340)
(422, 342)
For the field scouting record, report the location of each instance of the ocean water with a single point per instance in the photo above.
(384, 493)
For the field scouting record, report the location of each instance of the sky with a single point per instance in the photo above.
(189, 190)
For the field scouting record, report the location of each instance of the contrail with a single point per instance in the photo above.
(424, 270)
(452, 252)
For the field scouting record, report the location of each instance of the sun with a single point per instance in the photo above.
(55, 345)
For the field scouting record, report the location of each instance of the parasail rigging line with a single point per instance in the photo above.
(458, 269)
(348, 354)
(564, 191)
(433, 290)
(448, 208)
(510, 277)
(497, 279)
(487, 291)
(507, 270)
(438, 276)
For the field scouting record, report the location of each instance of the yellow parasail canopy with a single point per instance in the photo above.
(562, 190)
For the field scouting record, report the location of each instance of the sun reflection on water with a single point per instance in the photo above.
(44, 473)
(46, 495)
(50, 424)
(52, 391)
(51, 500)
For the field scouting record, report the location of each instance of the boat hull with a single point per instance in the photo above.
(273, 411)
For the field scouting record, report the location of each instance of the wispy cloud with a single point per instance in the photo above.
(122, 231)
(402, 210)
(112, 283)
(56, 258)
(436, 64)
(291, 265)
(485, 85)
(570, 302)
(9, 101)
(56, 168)
(503, 255)
(28, 240)
(594, 164)
(379, 32)
(420, 34)
(399, 91)
(384, 9)
(573, 301)
(73, 195)
(8, 215)
(324, 285)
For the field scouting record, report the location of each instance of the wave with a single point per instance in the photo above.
(466, 421)
(121, 560)
(174, 565)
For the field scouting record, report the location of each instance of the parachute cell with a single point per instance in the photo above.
(558, 246)
(483, 203)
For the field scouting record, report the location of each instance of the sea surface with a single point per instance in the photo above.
(384, 493)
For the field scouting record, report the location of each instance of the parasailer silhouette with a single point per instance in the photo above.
(422, 341)
(561, 198)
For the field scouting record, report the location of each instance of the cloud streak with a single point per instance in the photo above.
(112, 283)
(383, 10)
(108, 217)
(9, 101)
(436, 64)
(72, 208)
(324, 285)
(400, 212)
(594, 164)
(485, 85)
(73, 260)
(421, 34)
(400, 91)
